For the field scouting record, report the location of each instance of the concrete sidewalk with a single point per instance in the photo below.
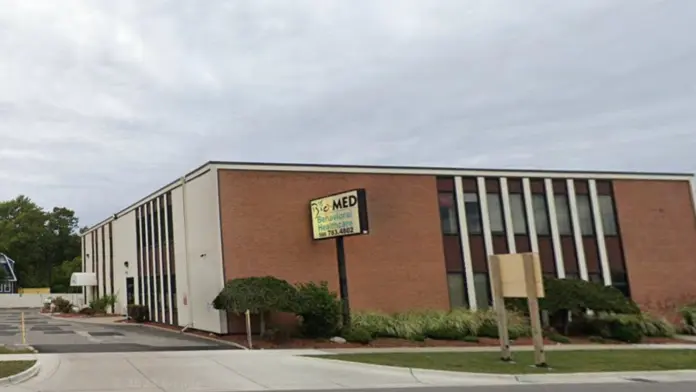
(207, 371)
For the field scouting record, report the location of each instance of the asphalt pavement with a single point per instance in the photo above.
(49, 335)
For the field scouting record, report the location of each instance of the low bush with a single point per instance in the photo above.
(62, 305)
(630, 328)
(103, 303)
(574, 297)
(688, 314)
(442, 325)
(319, 310)
(139, 313)
(358, 335)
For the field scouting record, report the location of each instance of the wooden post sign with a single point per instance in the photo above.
(518, 276)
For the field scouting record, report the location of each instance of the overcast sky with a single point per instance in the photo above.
(102, 102)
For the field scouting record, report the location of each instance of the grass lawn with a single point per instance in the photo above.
(5, 350)
(559, 361)
(10, 368)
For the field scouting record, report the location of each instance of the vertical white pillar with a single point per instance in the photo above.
(146, 260)
(553, 225)
(165, 244)
(161, 243)
(485, 221)
(466, 247)
(530, 217)
(577, 232)
(599, 232)
(141, 264)
(507, 216)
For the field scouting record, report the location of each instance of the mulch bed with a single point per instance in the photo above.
(299, 343)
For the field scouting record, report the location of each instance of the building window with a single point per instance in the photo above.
(495, 213)
(448, 213)
(563, 215)
(473, 213)
(585, 214)
(457, 290)
(483, 291)
(606, 209)
(519, 218)
(620, 282)
(541, 215)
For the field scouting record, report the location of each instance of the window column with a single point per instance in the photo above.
(553, 225)
(599, 230)
(577, 230)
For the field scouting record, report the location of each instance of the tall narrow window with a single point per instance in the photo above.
(541, 215)
(448, 213)
(483, 290)
(606, 208)
(495, 213)
(585, 214)
(473, 213)
(563, 215)
(457, 291)
(519, 218)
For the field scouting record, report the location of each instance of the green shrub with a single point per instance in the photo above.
(256, 294)
(358, 335)
(558, 338)
(139, 313)
(62, 305)
(470, 339)
(103, 303)
(656, 327)
(621, 327)
(319, 310)
(688, 314)
(564, 297)
(454, 325)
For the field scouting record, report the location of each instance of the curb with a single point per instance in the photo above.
(233, 344)
(22, 376)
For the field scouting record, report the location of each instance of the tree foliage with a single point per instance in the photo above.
(39, 241)
(256, 294)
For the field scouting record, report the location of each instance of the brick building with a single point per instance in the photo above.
(431, 230)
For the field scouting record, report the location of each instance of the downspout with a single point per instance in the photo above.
(186, 259)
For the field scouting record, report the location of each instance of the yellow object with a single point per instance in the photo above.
(24, 331)
(38, 290)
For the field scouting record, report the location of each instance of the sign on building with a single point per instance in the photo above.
(339, 215)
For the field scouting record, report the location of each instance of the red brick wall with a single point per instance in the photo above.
(398, 266)
(658, 230)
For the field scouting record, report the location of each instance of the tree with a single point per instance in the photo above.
(37, 240)
(259, 295)
(62, 274)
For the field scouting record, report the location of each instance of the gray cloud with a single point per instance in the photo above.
(102, 102)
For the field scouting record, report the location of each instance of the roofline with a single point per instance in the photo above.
(396, 170)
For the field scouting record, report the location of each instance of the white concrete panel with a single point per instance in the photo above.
(107, 261)
(125, 250)
(204, 252)
(466, 246)
(88, 258)
(181, 273)
(99, 264)
(507, 216)
(553, 223)
(577, 234)
(599, 232)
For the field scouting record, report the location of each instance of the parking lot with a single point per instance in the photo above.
(49, 335)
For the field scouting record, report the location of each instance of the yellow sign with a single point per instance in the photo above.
(339, 215)
(513, 277)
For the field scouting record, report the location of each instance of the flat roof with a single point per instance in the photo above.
(401, 170)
